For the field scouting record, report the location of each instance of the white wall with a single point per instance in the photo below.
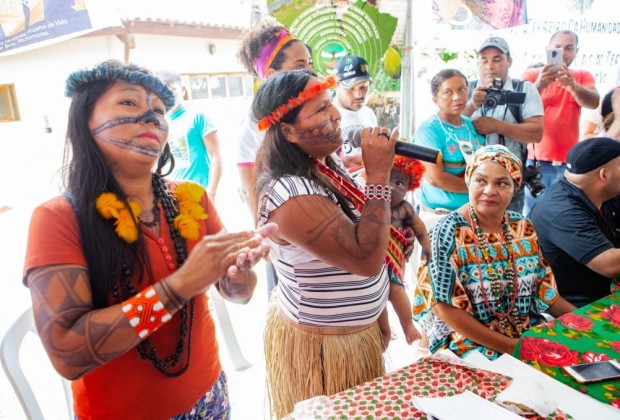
(39, 77)
(30, 154)
(186, 55)
(39, 74)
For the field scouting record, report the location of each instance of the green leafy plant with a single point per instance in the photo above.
(447, 56)
(384, 83)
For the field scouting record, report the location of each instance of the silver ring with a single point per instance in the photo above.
(386, 135)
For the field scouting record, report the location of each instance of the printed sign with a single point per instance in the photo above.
(27, 24)
(337, 28)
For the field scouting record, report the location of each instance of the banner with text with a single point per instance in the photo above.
(480, 14)
(27, 24)
(595, 23)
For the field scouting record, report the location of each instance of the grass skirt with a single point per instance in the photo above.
(304, 362)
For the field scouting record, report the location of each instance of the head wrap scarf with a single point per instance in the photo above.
(269, 51)
(499, 154)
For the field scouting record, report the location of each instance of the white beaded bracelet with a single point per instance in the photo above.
(378, 192)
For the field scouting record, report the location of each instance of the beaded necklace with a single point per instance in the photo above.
(145, 349)
(500, 291)
(155, 212)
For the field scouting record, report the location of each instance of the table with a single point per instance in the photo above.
(588, 334)
(389, 397)
(574, 403)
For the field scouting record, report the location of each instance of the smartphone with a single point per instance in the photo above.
(554, 56)
(595, 371)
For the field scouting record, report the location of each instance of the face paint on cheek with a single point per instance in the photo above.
(129, 145)
(148, 117)
(322, 133)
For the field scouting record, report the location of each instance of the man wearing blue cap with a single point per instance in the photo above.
(578, 222)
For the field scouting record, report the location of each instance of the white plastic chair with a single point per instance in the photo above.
(9, 356)
(228, 332)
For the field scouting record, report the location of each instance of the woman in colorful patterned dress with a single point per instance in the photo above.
(487, 281)
(119, 265)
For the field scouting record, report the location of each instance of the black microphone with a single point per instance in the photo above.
(403, 148)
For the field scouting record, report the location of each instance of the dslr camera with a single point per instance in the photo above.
(532, 178)
(498, 96)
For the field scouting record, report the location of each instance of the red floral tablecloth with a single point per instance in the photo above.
(588, 334)
(389, 397)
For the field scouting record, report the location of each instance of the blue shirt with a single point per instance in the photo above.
(186, 139)
(445, 137)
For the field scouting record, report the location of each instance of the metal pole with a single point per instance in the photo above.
(407, 94)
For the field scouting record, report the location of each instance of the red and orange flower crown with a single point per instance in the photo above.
(411, 167)
(292, 103)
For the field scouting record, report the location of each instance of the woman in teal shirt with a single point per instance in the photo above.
(443, 188)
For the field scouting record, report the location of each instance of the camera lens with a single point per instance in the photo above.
(536, 189)
(533, 180)
(490, 101)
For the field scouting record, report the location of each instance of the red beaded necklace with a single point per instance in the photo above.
(500, 289)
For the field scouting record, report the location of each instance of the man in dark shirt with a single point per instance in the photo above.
(578, 222)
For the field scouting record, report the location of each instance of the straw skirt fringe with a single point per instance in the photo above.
(302, 364)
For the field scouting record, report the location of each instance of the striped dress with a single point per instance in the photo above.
(312, 292)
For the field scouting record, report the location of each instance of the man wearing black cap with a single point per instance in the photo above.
(578, 222)
(353, 84)
(511, 124)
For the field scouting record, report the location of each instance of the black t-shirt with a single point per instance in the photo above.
(571, 232)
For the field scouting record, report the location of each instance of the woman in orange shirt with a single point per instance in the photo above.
(118, 266)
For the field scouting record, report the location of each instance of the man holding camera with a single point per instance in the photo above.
(578, 221)
(564, 92)
(507, 111)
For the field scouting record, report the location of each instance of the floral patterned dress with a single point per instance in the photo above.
(453, 277)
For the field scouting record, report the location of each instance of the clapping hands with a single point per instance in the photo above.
(247, 257)
(224, 259)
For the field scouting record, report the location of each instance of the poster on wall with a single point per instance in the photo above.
(27, 24)
(333, 29)
(480, 14)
